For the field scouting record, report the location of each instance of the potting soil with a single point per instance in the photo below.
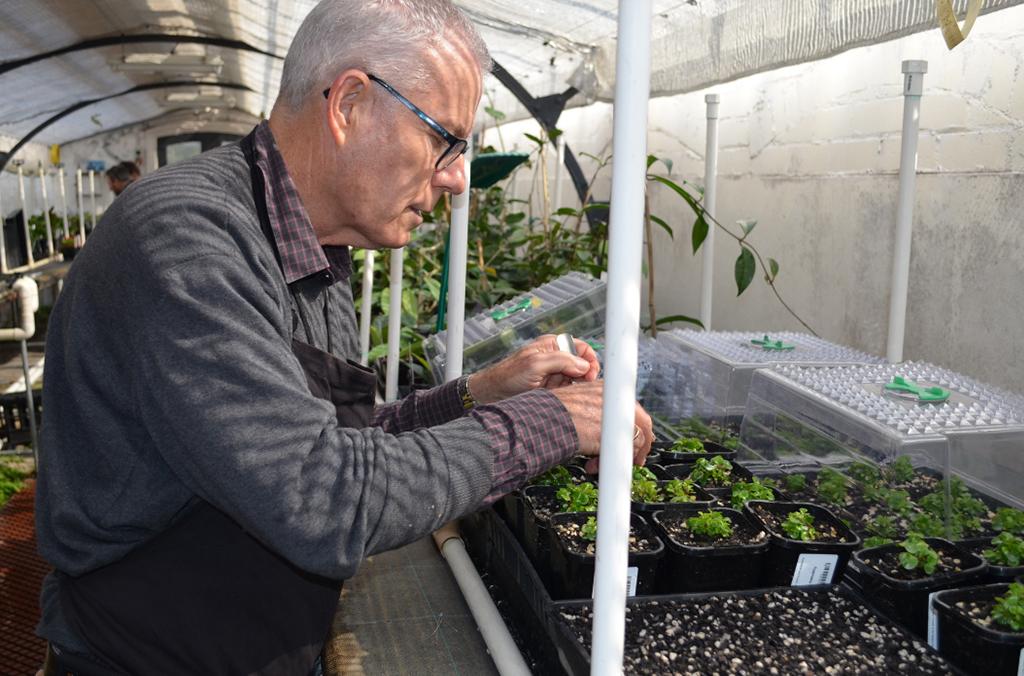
(742, 533)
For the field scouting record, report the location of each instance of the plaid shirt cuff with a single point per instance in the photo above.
(530, 433)
(422, 408)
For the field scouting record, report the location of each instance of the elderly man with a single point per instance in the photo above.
(120, 176)
(212, 462)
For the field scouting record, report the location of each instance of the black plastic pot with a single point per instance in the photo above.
(711, 449)
(689, 568)
(993, 574)
(510, 509)
(535, 528)
(572, 573)
(704, 501)
(793, 561)
(906, 601)
(683, 469)
(967, 644)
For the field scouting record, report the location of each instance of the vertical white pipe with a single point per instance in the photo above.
(457, 255)
(46, 211)
(24, 214)
(559, 164)
(394, 325)
(364, 310)
(913, 87)
(710, 195)
(63, 201)
(3, 239)
(81, 208)
(92, 197)
(622, 326)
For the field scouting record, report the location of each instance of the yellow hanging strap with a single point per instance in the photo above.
(951, 29)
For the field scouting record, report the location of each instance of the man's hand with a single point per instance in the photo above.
(539, 364)
(584, 402)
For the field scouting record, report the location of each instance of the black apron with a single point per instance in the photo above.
(205, 597)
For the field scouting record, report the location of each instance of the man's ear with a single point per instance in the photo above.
(349, 94)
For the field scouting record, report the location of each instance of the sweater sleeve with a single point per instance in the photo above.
(225, 403)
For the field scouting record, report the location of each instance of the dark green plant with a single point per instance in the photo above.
(882, 526)
(12, 480)
(688, 445)
(896, 500)
(742, 492)
(710, 525)
(1009, 608)
(799, 525)
(796, 483)
(645, 491)
(578, 497)
(556, 476)
(865, 473)
(643, 474)
(680, 490)
(900, 470)
(588, 531)
(928, 525)
(832, 487)
(1007, 550)
(918, 555)
(1009, 520)
(876, 541)
(715, 471)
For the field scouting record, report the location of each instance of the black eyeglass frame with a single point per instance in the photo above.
(456, 146)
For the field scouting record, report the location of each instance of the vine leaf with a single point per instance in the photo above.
(700, 231)
(744, 271)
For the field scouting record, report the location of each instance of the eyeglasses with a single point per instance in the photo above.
(456, 146)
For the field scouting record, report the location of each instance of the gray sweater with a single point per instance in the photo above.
(169, 376)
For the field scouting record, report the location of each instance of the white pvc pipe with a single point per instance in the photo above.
(46, 211)
(457, 255)
(81, 207)
(559, 163)
(364, 310)
(3, 242)
(710, 195)
(394, 325)
(913, 87)
(507, 658)
(63, 202)
(24, 215)
(92, 196)
(622, 325)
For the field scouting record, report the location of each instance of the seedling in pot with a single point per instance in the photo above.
(799, 525)
(928, 525)
(1007, 550)
(832, 487)
(645, 490)
(578, 498)
(882, 530)
(687, 445)
(713, 472)
(868, 475)
(1009, 609)
(556, 476)
(796, 483)
(710, 525)
(1009, 520)
(900, 471)
(680, 490)
(917, 555)
(588, 531)
(896, 500)
(754, 490)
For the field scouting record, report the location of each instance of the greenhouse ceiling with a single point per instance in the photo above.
(547, 45)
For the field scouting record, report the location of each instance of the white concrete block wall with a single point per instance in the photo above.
(812, 152)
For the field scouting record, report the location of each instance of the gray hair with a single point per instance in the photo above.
(385, 37)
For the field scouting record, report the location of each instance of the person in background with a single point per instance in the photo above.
(209, 477)
(121, 175)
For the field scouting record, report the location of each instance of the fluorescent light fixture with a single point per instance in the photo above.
(169, 63)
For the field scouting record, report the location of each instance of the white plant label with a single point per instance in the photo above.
(814, 569)
(632, 574)
(933, 623)
(1020, 663)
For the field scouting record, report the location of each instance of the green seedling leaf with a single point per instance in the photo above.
(799, 525)
(665, 226)
(495, 113)
(1009, 609)
(743, 492)
(796, 483)
(679, 318)
(687, 445)
(588, 531)
(773, 267)
(1009, 520)
(711, 525)
(744, 270)
(1007, 550)
(699, 232)
(917, 555)
(535, 139)
(681, 490)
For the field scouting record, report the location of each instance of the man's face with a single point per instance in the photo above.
(117, 186)
(387, 176)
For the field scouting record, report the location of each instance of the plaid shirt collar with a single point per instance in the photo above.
(301, 254)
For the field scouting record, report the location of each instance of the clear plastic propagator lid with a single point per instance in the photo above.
(879, 411)
(573, 303)
(721, 363)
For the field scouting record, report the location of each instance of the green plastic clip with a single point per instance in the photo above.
(925, 394)
(594, 344)
(767, 343)
(524, 304)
